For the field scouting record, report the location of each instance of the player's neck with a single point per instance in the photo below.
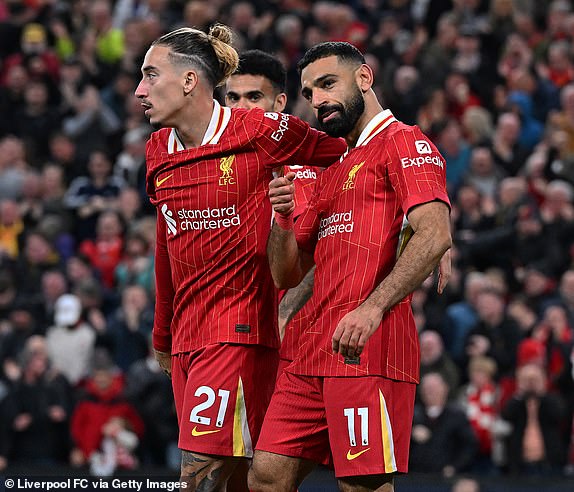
(194, 122)
(372, 108)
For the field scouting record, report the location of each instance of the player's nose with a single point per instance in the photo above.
(243, 103)
(141, 89)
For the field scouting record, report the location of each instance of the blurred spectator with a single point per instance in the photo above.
(54, 285)
(150, 392)
(35, 54)
(109, 39)
(129, 205)
(12, 96)
(557, 337)
(38, 256)
(102, 412)
(483, 174)
(130, 327)
(38, 409)
(404, 99)
(20, 327)
(507, 152)
(465, 485)
(87, 120)
(13, 166)
(560, 68)
(479, 399)
(63, 154)
(536, 445)
(11, 229)
(459, 95)
(88, 196)
(432, 112)
(435, 359)
(70, 340)
(521, 104)
(7, 298)
(477, 125)
(461, 317)
(35, 121)
(130, 164)
(496, 334)
(455, 151)
(105, 251)
(436, 60)
(521, 312)
(136, 266)
(442, 440)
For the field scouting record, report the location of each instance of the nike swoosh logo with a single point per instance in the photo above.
(196, 433)
(159, 182)
(351, 456)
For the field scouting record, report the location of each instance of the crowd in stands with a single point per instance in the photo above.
(492, 84)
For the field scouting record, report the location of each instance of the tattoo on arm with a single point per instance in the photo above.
(297, 297)
(200, 473)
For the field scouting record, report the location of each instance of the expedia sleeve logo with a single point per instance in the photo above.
(226, 168)
(424, 149)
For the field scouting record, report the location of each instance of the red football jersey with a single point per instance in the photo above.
(213, 282)
(354, 225)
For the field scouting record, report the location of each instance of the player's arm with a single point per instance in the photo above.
(295, 299)
(284, 138)
(161, 334)
(430, 240)
(289, 264)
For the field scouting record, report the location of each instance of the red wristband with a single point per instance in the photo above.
(285, 222)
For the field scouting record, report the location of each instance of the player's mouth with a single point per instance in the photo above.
(147, 107)
(327, 114)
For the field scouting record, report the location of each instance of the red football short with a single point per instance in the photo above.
(365, 422)
(283, 363)
(221, 394)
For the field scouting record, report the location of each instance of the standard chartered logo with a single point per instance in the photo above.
(200, 219)
(170, 221)
(336, 223)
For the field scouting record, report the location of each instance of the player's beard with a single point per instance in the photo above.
(349, 114)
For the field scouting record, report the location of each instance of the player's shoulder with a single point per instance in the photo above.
(399, 129)
(403, 136)
(158, 140)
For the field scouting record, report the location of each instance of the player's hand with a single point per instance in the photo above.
(164, 361)
(444, 271)
(282, 194)
(354, 329)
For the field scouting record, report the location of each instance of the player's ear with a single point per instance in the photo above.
(280, 102)
(190, 81)
(364, 77)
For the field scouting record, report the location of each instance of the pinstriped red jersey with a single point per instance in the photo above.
(354, 225)
(213, 282)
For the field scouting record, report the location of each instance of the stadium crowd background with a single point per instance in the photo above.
(492, 84)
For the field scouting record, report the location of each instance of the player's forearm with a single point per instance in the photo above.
(285, 258)
(420, 256)
(295, 299)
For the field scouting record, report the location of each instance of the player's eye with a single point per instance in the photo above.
(255, 97)
(328, 84)
(232, 97)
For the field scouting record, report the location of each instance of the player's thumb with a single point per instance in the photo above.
(290, 177)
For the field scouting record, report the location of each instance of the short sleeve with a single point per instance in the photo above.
(307, 223)
(284, 139)
(416, 168)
